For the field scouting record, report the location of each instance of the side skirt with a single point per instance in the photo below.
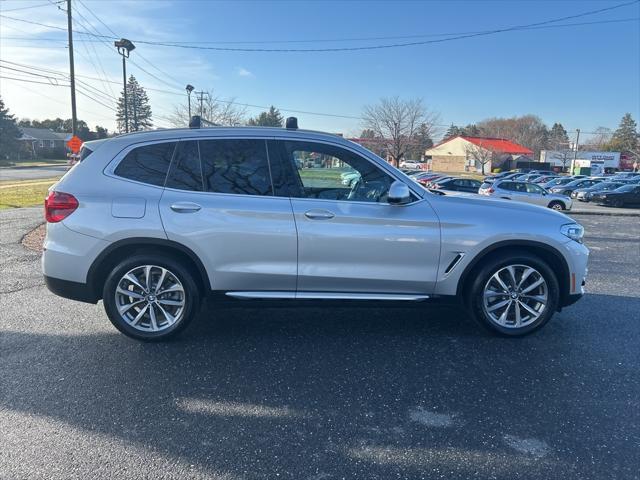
(327, 296)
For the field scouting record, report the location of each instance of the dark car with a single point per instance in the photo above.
(503, 176)
(424, 178)
(574, 185)
(625, 195)
(584, 194)
(458, 185)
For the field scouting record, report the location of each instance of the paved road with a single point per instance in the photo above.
(371, 392)
(32, 173)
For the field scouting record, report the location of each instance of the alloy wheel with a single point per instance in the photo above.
(150, 298)
(515, 296)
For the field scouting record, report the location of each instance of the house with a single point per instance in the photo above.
(473, 154)
(44, 143)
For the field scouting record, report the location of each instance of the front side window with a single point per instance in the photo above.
(236, 166)
(333, 173)
(147, 164)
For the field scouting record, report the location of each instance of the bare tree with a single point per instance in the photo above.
(565, 157)
(214, 109)
(397, 123)
(528, 130)
(481, 154)
(600, 139)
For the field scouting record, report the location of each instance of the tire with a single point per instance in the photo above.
(617, 203)
(544, 304)
(556, 205)
(167, 314)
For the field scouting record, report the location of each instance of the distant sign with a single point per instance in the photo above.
(74, 144)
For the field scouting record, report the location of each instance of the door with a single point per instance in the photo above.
(537, 195)
(349, 238)
(219, 201)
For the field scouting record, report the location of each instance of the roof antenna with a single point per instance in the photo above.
(195, 122)
(291, 123)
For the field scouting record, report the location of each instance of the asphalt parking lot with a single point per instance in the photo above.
(311, 392)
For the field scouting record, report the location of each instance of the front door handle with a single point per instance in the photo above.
(185, 207)
(319, 215)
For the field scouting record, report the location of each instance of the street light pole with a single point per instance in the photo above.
(124, 47)
(189, 89)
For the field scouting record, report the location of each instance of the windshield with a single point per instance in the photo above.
(625, 188)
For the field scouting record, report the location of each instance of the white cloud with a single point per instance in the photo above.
(243, 72)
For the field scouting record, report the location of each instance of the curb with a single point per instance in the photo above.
(24, 167)
(607, 214)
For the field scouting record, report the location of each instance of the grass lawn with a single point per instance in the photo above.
(40, 162)
(26, 194)
(321, 173)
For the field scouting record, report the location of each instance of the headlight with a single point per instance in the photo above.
(573, 231)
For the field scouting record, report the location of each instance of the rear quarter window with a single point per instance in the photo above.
(147, 164)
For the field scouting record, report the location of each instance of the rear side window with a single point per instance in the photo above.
(147, 164)
(236, 166)
(507, 186)
(186, 173)
(85, 152)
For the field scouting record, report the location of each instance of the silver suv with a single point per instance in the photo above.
(525, 192)
(153, 222)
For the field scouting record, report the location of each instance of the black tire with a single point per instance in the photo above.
(481, 276)
(556, 205)
(192, 296)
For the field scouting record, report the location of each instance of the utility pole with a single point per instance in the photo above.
(575, 151)
(201, 97)
(74, 117)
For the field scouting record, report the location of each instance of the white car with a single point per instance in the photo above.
(411, 164)
(525, 192)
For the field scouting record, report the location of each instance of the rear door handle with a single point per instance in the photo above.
(319, 215)
(185, 207)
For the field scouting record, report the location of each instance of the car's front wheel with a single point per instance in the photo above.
(556, 205)
(150, 298)
(514, 294)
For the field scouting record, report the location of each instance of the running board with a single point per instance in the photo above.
(328, 296)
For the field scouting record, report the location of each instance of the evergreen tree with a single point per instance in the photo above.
(470, 130)
(272, 118)
(138, 108)
(452, 131)
(625, 138)
(422, 142)
(558, 137)
(9, 134)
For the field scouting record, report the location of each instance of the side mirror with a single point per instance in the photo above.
(399, 193)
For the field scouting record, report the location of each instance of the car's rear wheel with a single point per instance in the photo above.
(556, 205)
(514, 295)
(150, 298)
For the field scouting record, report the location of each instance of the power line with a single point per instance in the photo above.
(542, 24)
(33, 6)
(32, 81)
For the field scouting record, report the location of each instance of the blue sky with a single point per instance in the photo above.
(583, 76)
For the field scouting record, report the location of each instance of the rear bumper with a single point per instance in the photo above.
(72, 290)
(571, 299)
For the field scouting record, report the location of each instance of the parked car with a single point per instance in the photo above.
(155, 221)
(507, 176)
(529, 177)
(525, 192)
(620, 197)
(431, 183)
(568, 188)
(543, 172)
(349, 178)
(557, 182)
(584, 194)
(458, 184)
(425, 178)
(626, 175)
(542, 179)
(413, 165)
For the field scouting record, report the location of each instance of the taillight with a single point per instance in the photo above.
(58, 206)
(435, 185)
(491, 190)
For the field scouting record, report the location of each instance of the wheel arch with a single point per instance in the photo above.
(111, 255)
(554, 259)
